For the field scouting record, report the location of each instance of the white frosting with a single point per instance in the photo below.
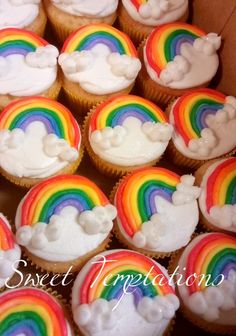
(18, 13)
(223, 217)
(218, 139)
(173, 224)
(157, 12)
(66, 237)
(87, 8)
(34, 153)
(98, 71)
(30, 75)
(214, 304)
(151, 317)
(7, 259)
(196, 65)
(131, 144)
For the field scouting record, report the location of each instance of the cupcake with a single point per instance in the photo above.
(39, 138)
(98, 61)
(125, 133)
(119, 293)
(64, 221)
(67, 16)
(138, 18)
(33, 311)
(207, 282)
(177, 57)
(27, 14)
(157, 211)
(10, 252)
(28, 66)
(204, 124)
(217, 201)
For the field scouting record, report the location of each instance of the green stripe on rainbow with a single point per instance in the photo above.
(85, 38)
(135, 196)
(124, 263)
(31, 312)
(221, 184)
(56, 118)
(19, 41)
(51, 196)
(191, 110)
(6, 235)
(114, 111)
(213, 254)
(164, 43)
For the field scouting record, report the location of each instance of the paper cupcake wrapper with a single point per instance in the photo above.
(54, 90)
(39, 24)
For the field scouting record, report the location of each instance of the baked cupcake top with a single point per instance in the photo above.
(100, 58)
(63, 218)
(155, 12)
(181, 56)
(157, 209)
(212, 258)
(28, 64)
(104, 302)
(218, 194)
(38, 138)
(32, 311)
(18, 13)
(9, 251)
(204, 124)
(87, 8)
(129, 130)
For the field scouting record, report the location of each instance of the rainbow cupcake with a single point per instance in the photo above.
(125, 133)
(138, 18)
(67, 16)
(27, 14)
(157, 211)
(32, 311)
(10, 252)
(204, 124)
(39, 138)
(119, 293)
(28, 66)
(206, 273)
(64, 221)
(217, 201)
(98, 61)
(177, 57)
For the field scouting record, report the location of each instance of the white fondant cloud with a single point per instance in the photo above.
(109, 137)
(7, 258)
(207, 44)
(43, 57)
(76, 61)
(185, 192)
(175, 70)
(11, 139)
(154, 9)
(205, 144)
(227, 113)
(124, 65)
(98, 220)
(224, 216)
(157, 131)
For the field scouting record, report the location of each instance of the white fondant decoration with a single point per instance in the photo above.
(224, 115)
(157, 131)
(175, 70)
(124, 65)
(43, 57)
(158, 308)
(108, 137)
(7, 258)
(55, 147)
(75, 62)
(24, 2)
(185, 192)
(205, 144)
(97, 316)
(11, 139)
(154, 9)
(208, 44)
(98, 220)
(224, 216)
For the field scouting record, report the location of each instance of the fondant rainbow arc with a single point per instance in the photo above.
(85, 38)
(213, 255)
(190, 112)
(56, 118)
(51, 196)
(19, 41)
(138, 3)
(221, 185)
(165, 42)
(124, 263)
(6, 236)
(116, 110)
(138, 204)
(31, 312)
